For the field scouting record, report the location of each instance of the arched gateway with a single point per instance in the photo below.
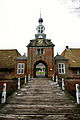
(40, 69)
(40, 60)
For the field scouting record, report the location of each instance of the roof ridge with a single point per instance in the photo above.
(74, 48)
(8, 49)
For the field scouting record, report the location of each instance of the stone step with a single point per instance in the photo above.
(19, 100)
(35, 111)
(36, 117)
(41, 103)
(40, 79)
(40, 99)
(24, 106)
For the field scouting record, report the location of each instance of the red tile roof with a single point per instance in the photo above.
(7, 58)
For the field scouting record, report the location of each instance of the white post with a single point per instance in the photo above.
(18, 83)
(3, 100)
(63, 84)
(28, 76)
(25, 79)
(53, 77)
(56, 79)
(77, 94)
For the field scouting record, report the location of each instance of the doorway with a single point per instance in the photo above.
(40, 69)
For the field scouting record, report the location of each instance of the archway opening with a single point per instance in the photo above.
(40, 69)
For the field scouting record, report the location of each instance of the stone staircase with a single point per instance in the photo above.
(40, 99)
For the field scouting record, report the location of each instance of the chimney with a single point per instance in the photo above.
(67, 47)
(24, 54)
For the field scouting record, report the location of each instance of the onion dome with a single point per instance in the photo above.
(40, 20)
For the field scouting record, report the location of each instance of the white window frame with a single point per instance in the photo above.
(78, 72)
(20, 68)
(61, 68)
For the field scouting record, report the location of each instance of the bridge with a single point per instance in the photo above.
(40, 99)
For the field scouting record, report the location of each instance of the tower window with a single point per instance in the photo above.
(40, 51)
(40, 28)
(20, 68)
(61, 68)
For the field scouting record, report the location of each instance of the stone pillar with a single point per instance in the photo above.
(53, 77)
(77, 94)
(63, 84)
(18, 83)
(25, 79)
(28, 76)
(3, 100)
(56, 79)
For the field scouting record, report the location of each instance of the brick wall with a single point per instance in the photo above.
(66, 68)
(25, 68)
(47, 57)
(7, 74)
(73, 73)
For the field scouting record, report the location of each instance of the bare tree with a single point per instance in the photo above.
(73, 5)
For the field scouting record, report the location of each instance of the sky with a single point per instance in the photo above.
(19, 19)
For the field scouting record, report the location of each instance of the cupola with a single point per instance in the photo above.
(40, 29)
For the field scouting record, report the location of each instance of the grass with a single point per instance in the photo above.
(40, 72)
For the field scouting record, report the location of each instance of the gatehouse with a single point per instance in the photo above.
(40, 57)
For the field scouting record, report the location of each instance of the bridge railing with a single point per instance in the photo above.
(72, 85)
(8, 87)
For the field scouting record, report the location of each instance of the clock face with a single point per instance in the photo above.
(40, 41)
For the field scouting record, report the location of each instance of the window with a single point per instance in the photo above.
(61, 68)
(78, 72)
(20, 69)
(40, 29)
(40, 51)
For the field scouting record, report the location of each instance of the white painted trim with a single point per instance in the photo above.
(20, 68)
(61, 68)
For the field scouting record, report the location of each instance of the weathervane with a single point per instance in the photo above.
(40, 12)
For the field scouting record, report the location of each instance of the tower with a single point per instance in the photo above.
(40, 61)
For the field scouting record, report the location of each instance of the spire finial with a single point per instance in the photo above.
(40, 12)
(40, 19)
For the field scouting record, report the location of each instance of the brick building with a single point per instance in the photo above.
(40, 50)
(68, 63)
(61, 66)
(21, 66)
(73, 54)
(40, 60)
(7, 63)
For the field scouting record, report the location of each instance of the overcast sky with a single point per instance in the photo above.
(19, 19)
